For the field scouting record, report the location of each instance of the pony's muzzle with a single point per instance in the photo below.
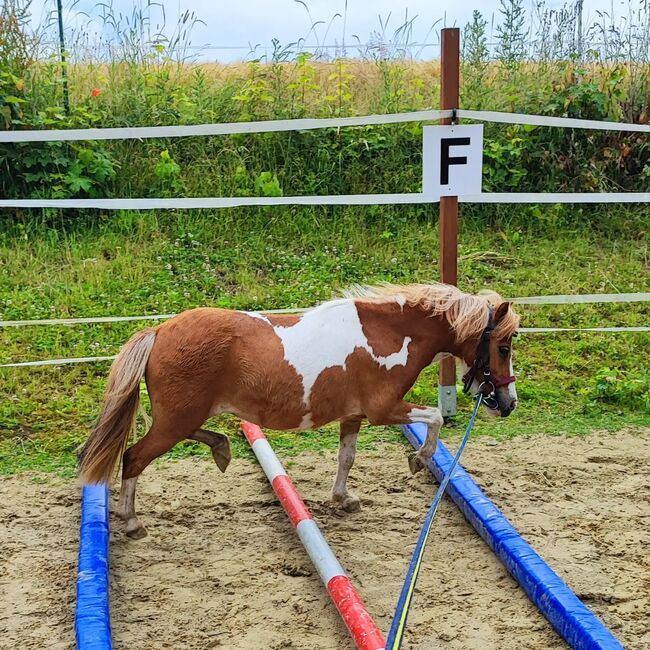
(506, 409)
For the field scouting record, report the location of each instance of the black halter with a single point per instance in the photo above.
(481, 364)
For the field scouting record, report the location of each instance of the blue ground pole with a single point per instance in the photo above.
(92, 616)
(577, 624)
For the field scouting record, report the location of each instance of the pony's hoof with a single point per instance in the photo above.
(415, 463)
(135, 530)
(349, 502)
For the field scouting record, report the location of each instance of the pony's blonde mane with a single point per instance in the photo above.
(467, 314)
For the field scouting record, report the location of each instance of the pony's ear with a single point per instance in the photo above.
(501, 311)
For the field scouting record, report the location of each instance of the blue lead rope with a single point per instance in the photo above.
(398, 626)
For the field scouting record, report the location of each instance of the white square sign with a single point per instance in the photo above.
(452, 160)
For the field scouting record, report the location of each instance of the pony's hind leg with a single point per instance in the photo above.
(126, 509)
(219, 444)
(347, 450)
(160, 439)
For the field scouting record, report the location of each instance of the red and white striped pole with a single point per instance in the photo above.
(365, 633)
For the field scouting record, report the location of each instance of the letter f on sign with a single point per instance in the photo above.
(442, 148)
(446, 160)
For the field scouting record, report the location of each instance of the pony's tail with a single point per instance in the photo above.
(110, 435)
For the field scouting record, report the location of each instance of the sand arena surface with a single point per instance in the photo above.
(222, 567)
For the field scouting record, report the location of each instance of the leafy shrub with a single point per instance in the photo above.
(50, 169)
(610, 386)
(267, 184)
(140, 83)
(504, 168)
(168, 173)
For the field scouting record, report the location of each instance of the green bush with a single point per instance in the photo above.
(611, 386)
(50, 169)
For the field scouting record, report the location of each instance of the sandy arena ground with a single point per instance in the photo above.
(222, 567)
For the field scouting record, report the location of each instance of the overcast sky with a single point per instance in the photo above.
(244, 22)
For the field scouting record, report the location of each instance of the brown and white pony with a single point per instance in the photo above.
(349, 359)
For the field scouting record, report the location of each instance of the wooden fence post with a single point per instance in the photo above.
(449, 98)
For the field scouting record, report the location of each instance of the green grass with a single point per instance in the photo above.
(60, 264)
(127, 263)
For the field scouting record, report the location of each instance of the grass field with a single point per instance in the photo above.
(129, 263)
(57, 264)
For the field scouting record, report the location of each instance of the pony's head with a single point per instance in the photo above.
(488, 357)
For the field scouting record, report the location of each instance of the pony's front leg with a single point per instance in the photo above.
(432, 417)
(407, 413)
(347, 449)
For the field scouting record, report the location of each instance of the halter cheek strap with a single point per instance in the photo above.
(481, 364)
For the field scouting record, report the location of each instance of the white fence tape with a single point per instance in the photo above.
(55, 362)
(547, 120)
(120, 319)
(523, 330)
(227, 128)
(558, 197)
(303, 124)
(527, 300)
(218, 202)
(80, 321)
(582, 299)
(340, 199)
(546, 330)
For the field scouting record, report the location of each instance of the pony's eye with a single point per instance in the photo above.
(504, 350)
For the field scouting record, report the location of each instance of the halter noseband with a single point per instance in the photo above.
(482, 364)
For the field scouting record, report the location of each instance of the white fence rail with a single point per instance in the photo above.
(342, 199)
(225, 128)
(523, 330)
(304, 124)
(528, 300)
(583, 299)
(567, 299)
